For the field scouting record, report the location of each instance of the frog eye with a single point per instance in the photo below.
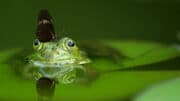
(36, 42)
(68, 43)
(71, 43)
(37, 45)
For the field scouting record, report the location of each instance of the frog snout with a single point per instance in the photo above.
(56, 52)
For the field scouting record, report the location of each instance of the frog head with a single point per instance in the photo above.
(63, 51)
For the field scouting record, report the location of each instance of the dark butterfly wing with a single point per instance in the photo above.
(45, 29)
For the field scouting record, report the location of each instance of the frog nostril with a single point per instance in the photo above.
(53, 48)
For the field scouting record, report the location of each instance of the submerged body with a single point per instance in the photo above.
(56, 60)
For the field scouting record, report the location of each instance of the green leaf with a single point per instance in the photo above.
(6, 54)
(138, 52)
(108, 86)
(164, 91)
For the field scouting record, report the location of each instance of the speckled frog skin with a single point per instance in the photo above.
(56, 60)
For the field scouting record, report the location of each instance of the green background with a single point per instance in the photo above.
(136, 20)
(89, 19)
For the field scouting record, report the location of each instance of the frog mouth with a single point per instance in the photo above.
(53, 64)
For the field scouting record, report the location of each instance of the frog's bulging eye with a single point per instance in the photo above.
(36, 42)
(71, 44)
(37, 45)
(68, 44)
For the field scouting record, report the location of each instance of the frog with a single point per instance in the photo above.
(57, 60)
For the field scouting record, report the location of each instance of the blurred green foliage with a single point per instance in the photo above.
(165, 91)
(89, 19)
